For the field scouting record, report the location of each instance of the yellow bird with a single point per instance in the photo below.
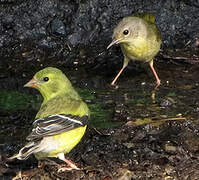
(139, 39)
(61, 121)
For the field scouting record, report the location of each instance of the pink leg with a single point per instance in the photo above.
(155, 74)
(69, 163)
(126, 60)
(116, 77)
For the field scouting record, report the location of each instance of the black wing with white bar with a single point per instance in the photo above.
(55, 124)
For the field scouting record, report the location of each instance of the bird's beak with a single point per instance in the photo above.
(32, 83)
(115, 41)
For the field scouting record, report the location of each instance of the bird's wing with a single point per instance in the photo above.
(55, 124)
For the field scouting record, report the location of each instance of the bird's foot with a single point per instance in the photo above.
(158, 82)
(68, 168)
(154, 91)
(71, 165)
(114, 86)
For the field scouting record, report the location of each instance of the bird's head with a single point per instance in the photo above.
(127, 30)
(50, 82)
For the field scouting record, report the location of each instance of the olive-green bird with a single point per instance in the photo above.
(61, 121)
(139, 39)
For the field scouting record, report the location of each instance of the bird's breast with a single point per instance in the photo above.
(140, 50)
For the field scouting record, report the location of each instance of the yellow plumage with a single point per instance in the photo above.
(61, 121)
(64, 142)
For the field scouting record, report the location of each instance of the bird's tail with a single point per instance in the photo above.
(26, 151)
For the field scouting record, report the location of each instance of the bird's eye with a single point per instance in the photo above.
(125, 32)
(45, 79)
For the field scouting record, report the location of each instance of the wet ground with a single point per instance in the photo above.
(129, 136)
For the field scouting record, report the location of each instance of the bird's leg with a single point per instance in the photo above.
(157, 81)
(116, 77)
(155, 74)
(126, 60)
(69, 163)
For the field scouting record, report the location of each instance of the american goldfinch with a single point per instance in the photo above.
(61, 121)
(139, 39)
